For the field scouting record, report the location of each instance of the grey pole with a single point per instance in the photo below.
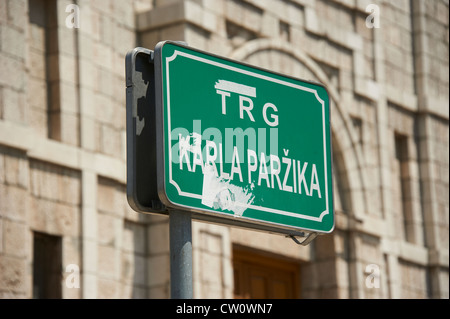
(180, 232)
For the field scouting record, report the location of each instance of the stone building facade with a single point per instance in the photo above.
(63, 205)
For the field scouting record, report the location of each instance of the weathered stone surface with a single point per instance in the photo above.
(63, 145)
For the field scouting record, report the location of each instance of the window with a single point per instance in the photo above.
(404, 185)
(285, 31)
(43, 96)
(47, 266)
(358, 125)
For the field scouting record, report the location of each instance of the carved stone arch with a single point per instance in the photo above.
(331, 253)
(274, 54)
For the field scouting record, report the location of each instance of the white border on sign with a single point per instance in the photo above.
(264, 77)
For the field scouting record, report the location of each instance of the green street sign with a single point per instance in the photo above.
(242, 144)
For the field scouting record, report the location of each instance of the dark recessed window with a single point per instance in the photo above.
(47, 266)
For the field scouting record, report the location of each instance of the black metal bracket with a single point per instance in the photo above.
(309, 238)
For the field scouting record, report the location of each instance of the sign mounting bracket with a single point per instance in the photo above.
(309, 238)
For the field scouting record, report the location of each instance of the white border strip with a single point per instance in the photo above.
(234, 87)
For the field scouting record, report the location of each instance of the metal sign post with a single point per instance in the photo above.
(180, 232)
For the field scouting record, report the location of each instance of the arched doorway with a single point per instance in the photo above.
(330, 254)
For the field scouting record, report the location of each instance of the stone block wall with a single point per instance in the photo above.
(63, 142)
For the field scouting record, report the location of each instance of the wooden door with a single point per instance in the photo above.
(261, 277)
